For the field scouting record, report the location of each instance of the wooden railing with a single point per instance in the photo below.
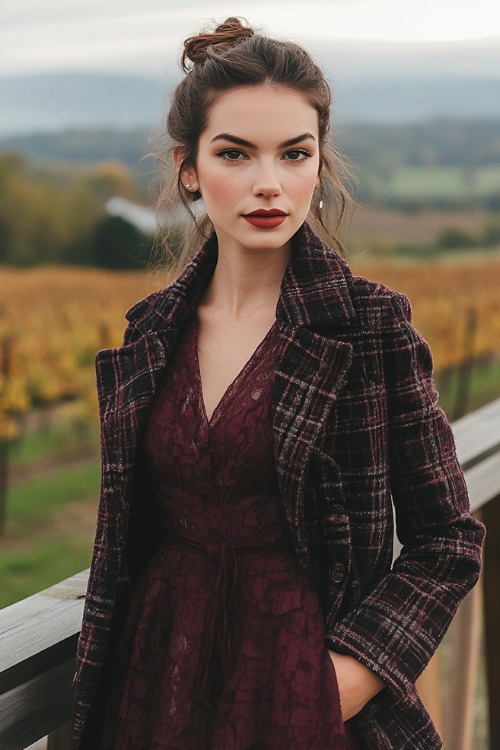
(37, 662)
(38, 635)
(477, 437)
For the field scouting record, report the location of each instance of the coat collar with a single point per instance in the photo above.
(315, 290)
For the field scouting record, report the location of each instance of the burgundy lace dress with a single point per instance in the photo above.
(224, 645)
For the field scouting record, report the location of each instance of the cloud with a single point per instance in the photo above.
(145, 37)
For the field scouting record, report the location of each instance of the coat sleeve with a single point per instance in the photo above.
(397, 627)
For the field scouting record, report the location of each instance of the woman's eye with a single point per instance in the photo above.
(232, 154)
(297, 154)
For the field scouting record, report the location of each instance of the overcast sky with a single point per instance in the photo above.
(144, 36)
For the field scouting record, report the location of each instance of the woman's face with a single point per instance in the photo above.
(257, 166)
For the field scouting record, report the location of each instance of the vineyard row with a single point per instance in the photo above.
(53, 320)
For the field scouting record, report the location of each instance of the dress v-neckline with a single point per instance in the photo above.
(210, 422)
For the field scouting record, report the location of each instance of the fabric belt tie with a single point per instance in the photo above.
(216, 656)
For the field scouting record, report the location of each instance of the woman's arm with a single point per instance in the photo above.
(399, 624)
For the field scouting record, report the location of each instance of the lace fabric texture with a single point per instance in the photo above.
(224, 646)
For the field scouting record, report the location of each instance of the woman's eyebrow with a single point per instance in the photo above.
(297, 139)
(242, 142)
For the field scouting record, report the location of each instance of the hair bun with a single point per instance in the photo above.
(228, 34)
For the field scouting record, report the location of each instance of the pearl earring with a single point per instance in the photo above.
(321, 201)
(188, 187)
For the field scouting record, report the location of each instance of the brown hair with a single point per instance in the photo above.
(234, 55)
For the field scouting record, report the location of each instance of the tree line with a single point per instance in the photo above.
(55, 214)
(446, 142)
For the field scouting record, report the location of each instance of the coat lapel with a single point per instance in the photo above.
(311, 370)
(314, 299)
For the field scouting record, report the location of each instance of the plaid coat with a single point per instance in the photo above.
(357, 433)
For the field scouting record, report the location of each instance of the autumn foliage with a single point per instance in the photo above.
(54, 319)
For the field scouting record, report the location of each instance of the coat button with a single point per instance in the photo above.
(338, 573)
(337, 510)
(335, 513)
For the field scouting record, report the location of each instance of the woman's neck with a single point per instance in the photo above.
(246, 284)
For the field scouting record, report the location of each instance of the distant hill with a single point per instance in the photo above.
(403, 100)
(83, 145)
(52, 102)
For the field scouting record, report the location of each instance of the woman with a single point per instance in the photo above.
(261, 420)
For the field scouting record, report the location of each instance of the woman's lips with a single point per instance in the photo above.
(265, 219)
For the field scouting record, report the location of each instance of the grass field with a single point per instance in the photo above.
(50, 527)
(434, 182)
(52, 434)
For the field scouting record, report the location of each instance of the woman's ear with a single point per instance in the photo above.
(189, 177)
(178, 156)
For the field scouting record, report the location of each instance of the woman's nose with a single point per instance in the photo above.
(267, 183)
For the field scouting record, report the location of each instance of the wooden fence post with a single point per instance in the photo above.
(429, 689)
(491, 516)
(60, 738)
(462, 695)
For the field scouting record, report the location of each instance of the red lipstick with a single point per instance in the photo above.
(266, 218)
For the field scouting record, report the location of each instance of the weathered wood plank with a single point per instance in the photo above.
(477, 433)
(40, 631)
(37, 707)
(37, 662)
(483, 482)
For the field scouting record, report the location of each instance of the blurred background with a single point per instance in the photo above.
(84, 88)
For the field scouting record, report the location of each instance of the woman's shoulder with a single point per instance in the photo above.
(374, 300)
(320, 267)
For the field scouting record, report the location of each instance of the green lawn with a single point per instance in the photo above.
(53, 442)
(31, 505)
(49, 531)
(437, 182)
(36, 566)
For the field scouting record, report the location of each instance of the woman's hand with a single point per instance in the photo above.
(357, 684)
